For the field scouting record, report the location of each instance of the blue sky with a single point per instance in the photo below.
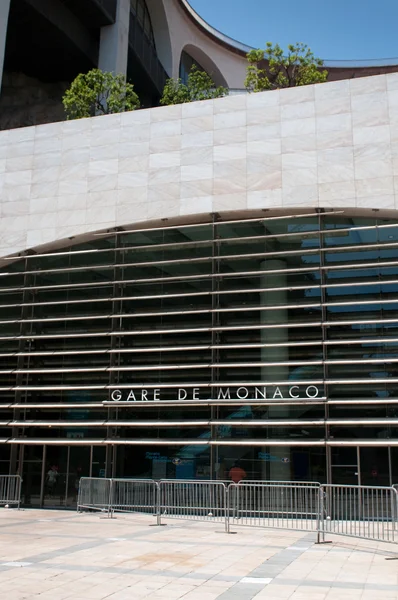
(334, 29)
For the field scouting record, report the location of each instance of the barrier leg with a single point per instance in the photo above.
(157, 508)
(19, 484)
(226, 509)
(227, 504)
(320, 529)
(110, 501)
(322, 504)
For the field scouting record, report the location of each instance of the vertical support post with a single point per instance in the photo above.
(78, 495)
(4, 12)
(158, 515)
(324, 334)
(19, 485)
(13, 459)
(20, 460)
(26, 348)
(67, 474)
(43, 475)
(226, 505)
(320, 517)
(114, 455)
(110, 504)
(360, 493)
(275, 350)
(215, 341)
(114, 355)
(20, 465)
(91, 461)
(108, 458)
(390, 466)
(329, 465)
(114, 41)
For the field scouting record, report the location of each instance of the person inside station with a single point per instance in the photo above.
(236, 473)
(51, 480)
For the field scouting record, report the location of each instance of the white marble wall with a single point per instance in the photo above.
(328, 145)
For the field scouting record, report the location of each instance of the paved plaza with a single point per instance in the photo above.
(60, 555)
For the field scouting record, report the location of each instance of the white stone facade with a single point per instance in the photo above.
(326, 145)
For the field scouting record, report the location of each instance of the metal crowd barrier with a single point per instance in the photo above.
(10, 490)
(194, 500)
(95, 493)
(357, 511)
(265, 504)
(134, 495)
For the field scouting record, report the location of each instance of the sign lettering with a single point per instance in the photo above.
(247, 393)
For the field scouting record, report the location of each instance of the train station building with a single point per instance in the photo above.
(190, 287)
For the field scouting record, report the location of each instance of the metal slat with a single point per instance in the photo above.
(203, 423)
(204, 259)
(209, 294)
(204, 311)
(201, 329)
(179, 367)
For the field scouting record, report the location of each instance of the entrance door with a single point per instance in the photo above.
(64, 466)
(51, 474)
(55, 476)
(374, 466)
(344, 465)
(78, 466)
(31, 471)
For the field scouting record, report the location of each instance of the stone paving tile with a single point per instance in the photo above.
(70, 556)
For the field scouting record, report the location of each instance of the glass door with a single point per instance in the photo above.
(78, 466)
(345, 465)
(64, 467)
(51, 474)
(32, 461)
(55, 476)
(374, 466)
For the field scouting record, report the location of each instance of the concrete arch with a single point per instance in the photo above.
(206, 62)
(161, 33)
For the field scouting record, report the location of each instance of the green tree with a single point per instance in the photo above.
(199, 86)
(99, 93)
(272, 68)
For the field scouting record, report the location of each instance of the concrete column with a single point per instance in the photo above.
(278, 470)
(4, 12)
(114, 41)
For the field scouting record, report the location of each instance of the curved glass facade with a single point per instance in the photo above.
(176, 351)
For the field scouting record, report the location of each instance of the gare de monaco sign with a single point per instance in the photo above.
(269, 392)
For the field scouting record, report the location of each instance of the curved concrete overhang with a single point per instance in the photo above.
(206, 63)
(184, 30)
(331, 146)
(230, 43)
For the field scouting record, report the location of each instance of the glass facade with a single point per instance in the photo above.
(141, 13)
(179, 350)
